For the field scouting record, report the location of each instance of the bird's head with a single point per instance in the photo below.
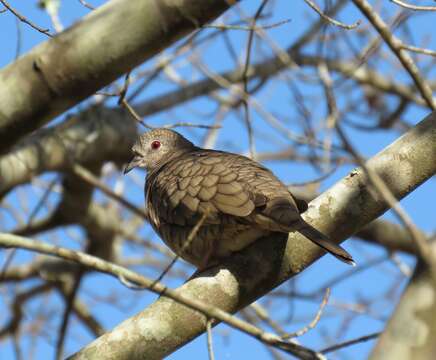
(156, 147)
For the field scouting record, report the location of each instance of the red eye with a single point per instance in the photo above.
(155, 144)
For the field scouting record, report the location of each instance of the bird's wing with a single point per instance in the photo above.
(276, 208)
(200, 184)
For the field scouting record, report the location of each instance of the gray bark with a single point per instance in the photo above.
(410, 332)
(95, 136)
(107, 43)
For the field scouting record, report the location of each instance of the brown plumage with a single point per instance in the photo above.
(237, 199)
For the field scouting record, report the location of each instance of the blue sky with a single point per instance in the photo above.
(230, 344)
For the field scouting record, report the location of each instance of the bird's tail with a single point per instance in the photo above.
(323, 241)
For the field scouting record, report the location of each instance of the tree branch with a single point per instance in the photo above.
(94, 136)
(410, 333)
(339, 212)
(38, 87)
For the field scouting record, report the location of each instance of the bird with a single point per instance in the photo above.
(207, 204)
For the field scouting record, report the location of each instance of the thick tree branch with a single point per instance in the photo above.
(389, 235)
(39, 86)
(95, 136)
(339, 212)
(393, 237)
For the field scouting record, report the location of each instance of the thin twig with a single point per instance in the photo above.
(349, 273)
(32, 216)
(247, 28)
(322, 177)
(24, 19)
(209, 340)
(69, 298)
(315, 320)
(9, 257)
(125, 103)
(125, 87)
(245, 79)
(82, 313)
(19, 38)
(135, 115)
(330, 19)
(90, 178)
(85, 4)
(419, 50)
(186, 244)
(262, 313)
(414, 7)
(395, 45)
(350, 342)
(188, 124)
(17, 305)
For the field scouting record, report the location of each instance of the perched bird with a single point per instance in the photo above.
(234, 199)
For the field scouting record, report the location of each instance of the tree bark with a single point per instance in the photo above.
(410, 333)
(107, 43)
(94, 136)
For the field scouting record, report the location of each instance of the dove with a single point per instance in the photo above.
(207, 204)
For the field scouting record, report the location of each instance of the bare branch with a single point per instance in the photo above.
(414, 7)
(24, 19)
(330, 19)
(315, 320)
(396, 46)
(344, 344)
(419, 50)
(95, 136)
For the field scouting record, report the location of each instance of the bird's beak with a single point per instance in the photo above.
(136, 161)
